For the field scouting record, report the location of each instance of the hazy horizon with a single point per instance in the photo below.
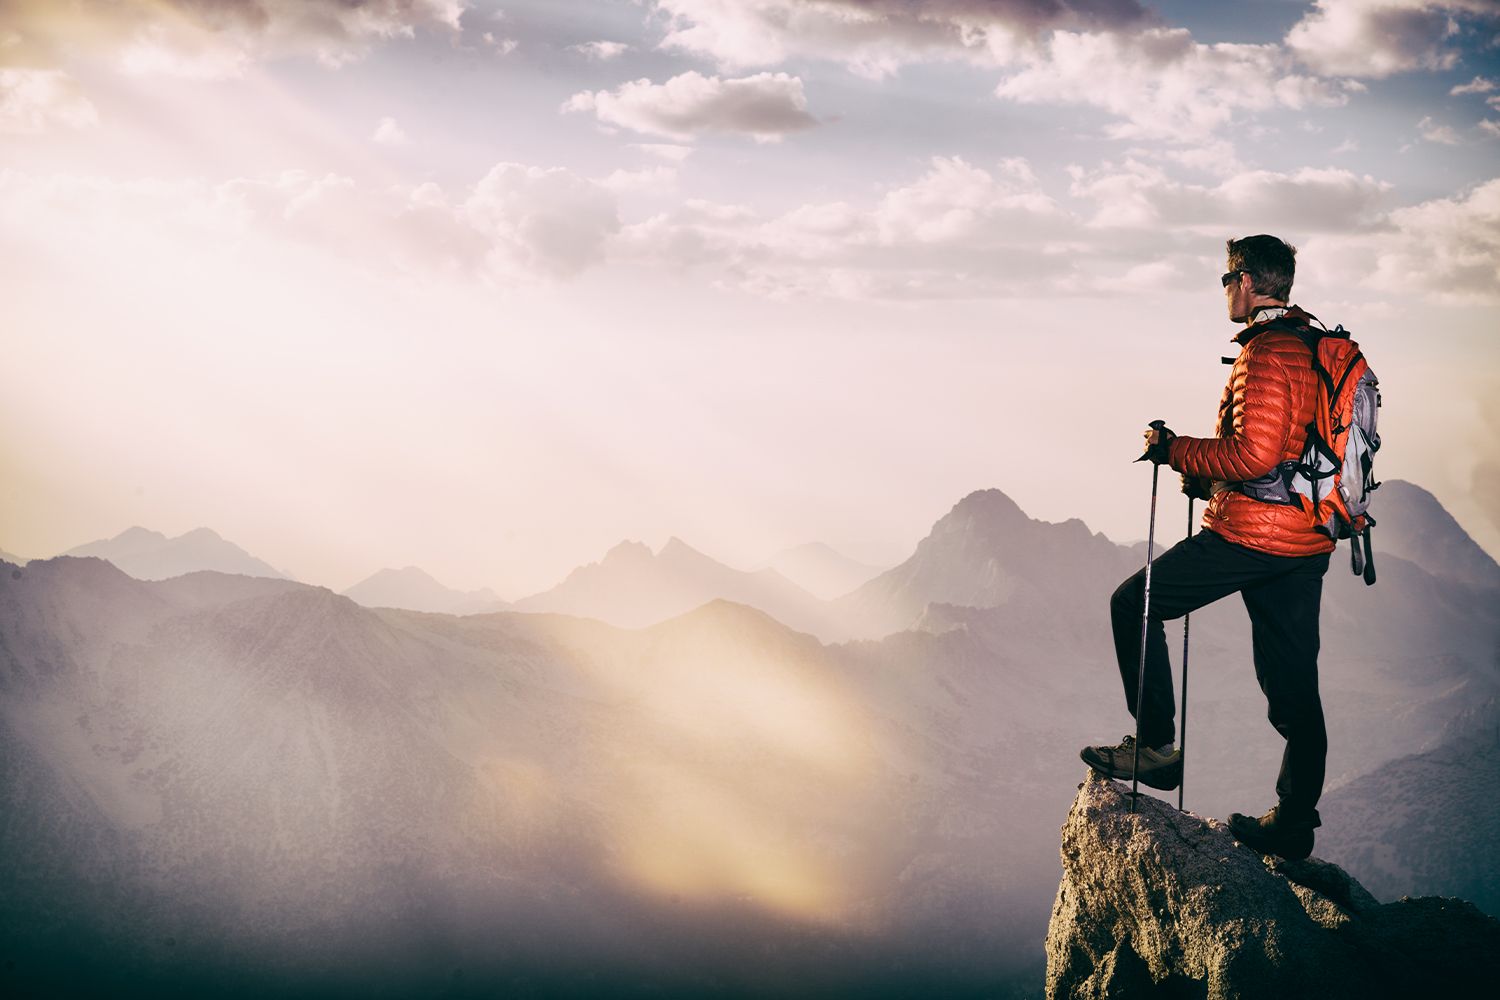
(487, 288)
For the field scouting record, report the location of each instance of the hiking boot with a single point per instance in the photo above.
(1274, 833)
(1159, 769)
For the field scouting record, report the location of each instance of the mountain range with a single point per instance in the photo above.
(281, 782)
(150, 555)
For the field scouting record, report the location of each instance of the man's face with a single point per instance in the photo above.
(1237, 295)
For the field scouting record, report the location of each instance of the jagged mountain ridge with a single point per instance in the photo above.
(633, 587)
(1414, 525)
(150, 555)
(964, 732)
(982, 553)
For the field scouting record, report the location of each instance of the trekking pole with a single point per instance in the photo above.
(1187, 621)
(1140, 676)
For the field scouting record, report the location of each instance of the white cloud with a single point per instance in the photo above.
(1434, 132)
(1136, 195)
(1162, 84)
(652, 180)
(1490, 126)
(217, 38)
(877, 37)
(601, 51)
(766, 106)
(664, 150)
(1376, 38)
(389, 133)
(502, 45)
(1478, 85)
(1448, 248)
(517, 225)
(959, 230)
(547, 222)
(33, 100)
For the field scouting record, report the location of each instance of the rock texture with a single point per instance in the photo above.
(1168, 904)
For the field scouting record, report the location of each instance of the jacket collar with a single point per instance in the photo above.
(1267, 315)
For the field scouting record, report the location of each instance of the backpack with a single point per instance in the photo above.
(1334, 477)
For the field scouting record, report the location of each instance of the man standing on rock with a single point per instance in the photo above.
(1267, 550)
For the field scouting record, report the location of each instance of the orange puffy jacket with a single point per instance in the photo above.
(1263, 418)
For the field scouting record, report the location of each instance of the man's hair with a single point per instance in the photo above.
(1271, 264)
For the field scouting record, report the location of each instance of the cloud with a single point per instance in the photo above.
(766, 106)
(877, 37)
(547, 222)
(502, 45)
(34, 100)
(1433, 132)
(1478, 85)
(958, 230)
(1377, 38)
(664, 150)
(652, 180)
(1161, 84)
(517, 225)
(600, 51)
(215, 38)
(1490, 126)
(388, 133)
(1447, 249)
(1140, 196)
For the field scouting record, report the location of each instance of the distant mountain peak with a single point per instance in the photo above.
(628, 551)
(136, 533)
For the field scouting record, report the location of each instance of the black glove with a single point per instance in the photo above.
(1158, 444)
(1196, 487)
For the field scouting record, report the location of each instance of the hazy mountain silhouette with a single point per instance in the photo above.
(981, 554)
(632, 587)
(279, 780)
(415, 590)
(15, 559)
(150, 555)
(1414, 525)
(821, 570)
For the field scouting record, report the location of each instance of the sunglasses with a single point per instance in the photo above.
(1230, 277)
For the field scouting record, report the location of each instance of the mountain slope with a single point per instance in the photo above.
(415, 590)
(632, 587)
(981, 554)
(821, 570)
(1412, 524)
(1424, 824)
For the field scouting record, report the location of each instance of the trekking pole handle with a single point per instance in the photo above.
(1155, 425)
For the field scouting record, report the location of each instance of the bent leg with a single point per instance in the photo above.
(1193, 573)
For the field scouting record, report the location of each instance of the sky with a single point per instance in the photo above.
(488, 287)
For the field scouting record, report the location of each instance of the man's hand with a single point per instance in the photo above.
(1158, 445)
(1195, 487)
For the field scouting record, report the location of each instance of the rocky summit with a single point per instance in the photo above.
(1168, 904)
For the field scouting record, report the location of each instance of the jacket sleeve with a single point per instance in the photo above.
(1261, 422)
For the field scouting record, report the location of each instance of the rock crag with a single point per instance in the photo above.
(1168, 904)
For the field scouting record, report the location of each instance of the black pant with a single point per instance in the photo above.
(1282, 594)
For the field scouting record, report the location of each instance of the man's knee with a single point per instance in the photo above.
(1125, 602)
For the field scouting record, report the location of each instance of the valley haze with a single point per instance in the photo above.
(246, 783)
